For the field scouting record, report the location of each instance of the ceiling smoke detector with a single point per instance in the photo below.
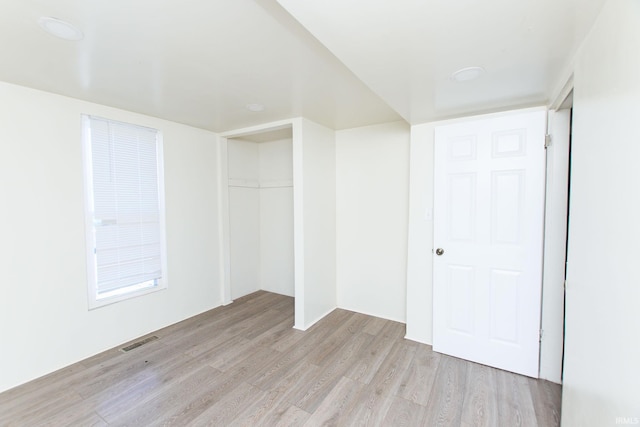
(466, 74)
(60, 29)
(256, 108)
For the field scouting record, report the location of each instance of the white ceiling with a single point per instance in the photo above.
(197, 62)
(406, 50)
(200, 62)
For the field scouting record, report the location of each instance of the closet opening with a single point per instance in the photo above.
(260, 207)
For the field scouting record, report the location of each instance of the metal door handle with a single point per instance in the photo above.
(439, 251)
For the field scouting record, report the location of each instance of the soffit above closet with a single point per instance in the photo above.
(269, 135)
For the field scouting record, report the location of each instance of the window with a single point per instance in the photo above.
(124, 199)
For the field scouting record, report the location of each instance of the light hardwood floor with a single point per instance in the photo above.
(243, 364)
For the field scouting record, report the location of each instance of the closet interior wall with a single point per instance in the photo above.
(261, 215)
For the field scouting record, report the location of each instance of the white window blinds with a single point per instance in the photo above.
(125, 205)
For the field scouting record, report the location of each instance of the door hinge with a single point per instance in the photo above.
(540, 336)
(547, 140)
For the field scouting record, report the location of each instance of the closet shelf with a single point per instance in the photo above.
(244, 183)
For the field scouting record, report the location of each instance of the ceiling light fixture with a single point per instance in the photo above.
(256, 108)
(60, 29)
(466, 74)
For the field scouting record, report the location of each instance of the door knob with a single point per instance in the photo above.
(439, 251)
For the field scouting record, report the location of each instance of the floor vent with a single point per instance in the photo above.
(139, 343)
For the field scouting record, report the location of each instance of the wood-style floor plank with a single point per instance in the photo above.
(545, 397)
(449, 391)
(244, 365)
(479, 408)
(310, 395)
(370, 408)
(338, 403)
(226, 410)
(515, 403)
(388, 377)
(368, 364)
(403, 413)
(417, 383)
(152, 389)
(177, 399)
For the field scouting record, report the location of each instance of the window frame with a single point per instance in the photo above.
(125, 293)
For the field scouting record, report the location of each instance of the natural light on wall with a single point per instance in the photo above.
(124, 200)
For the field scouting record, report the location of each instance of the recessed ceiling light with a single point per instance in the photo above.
(256, 108)
(466, 74)
(60, 29)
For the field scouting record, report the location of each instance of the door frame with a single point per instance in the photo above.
(555, 244)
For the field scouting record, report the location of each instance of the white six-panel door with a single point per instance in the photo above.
(488, 222)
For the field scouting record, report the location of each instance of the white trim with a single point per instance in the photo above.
(342, 307)
(224, 244)
(415, 339)
(245, 183)
(486, 116)
(163, 213)
(562, 95)
(277, 184)
(298, 225)
(313, 322)
(88, 216)
(252, 130)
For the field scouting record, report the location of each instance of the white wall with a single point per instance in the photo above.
(602, 345)
(276, 162)
(244, 217)
(243, 161)
(314, 171)
(420, 239)
(372, 196)
(276, 216)
(43, 307)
